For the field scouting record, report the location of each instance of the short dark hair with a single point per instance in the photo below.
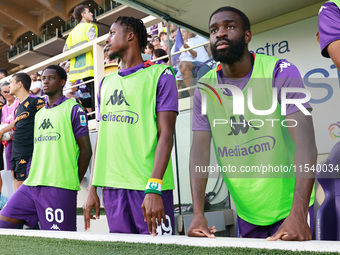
(4, 71)
(24, 78)
(245, 20)
(160, 53)
(150, 46)
(78, 10)
(59, 70)
(138, 27)
(156, 37)
(162, 33)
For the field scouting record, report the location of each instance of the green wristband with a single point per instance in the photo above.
(153, 191)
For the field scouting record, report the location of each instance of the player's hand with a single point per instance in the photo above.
(92, 201)
(294, 228)
(153, 211)
(199, 228)
(186, 45)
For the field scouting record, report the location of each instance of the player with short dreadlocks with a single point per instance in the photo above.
(138, 107)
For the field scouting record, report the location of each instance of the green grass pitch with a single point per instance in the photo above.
(13, 245)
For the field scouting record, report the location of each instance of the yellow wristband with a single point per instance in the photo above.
(159, 181)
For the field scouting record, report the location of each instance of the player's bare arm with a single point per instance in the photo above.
(85, 153)
(295, 227)
(333, 51)
(153, 205)
(199, 156)
(92, 200)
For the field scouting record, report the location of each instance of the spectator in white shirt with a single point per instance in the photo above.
(36, 85)
(190, 59)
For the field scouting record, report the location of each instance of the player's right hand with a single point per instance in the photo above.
(92, 201)
(199, 228)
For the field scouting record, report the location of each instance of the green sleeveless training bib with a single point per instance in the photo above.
(250, 142)
(127, 136)
(56, 152)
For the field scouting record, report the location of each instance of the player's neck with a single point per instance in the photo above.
(240, 68)
(52, 99)
(131, 59)
(22, 95)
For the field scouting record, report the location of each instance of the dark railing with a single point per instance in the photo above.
(18, 50)
(67, 26)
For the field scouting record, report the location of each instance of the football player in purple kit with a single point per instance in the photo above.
(328, 212)
(273, 208)
(138, 108)
(329, 31)
(61, 155)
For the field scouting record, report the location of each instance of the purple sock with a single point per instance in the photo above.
(6, 224)
(328, 215)
(334, 155)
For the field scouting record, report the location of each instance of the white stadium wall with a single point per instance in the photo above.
(297, 42)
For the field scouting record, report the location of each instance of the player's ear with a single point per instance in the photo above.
(247, 36)
(130, 36)
(63, 82)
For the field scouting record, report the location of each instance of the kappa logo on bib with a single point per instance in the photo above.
(116, 99)
(241, 126)
(46, 124)
(80, 109)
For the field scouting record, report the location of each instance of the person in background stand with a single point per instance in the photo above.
(81, 67)
(36, 85)
(156, 42)
(7, 117)
(149, 49)
(3, 74)
(160, 53)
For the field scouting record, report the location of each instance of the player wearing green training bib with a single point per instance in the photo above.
(62, 152)
(274, 205)
(138, 109)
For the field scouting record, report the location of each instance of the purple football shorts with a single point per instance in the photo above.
(54, 208)
(125, 215)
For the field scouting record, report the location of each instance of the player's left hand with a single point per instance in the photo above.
(294, 228)
(153, 211)
(92, 201)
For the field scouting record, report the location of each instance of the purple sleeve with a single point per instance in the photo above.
(167, 95)
(329, 26)
(79, 121)
(287, 75)
(98, 99)
(199, 122)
